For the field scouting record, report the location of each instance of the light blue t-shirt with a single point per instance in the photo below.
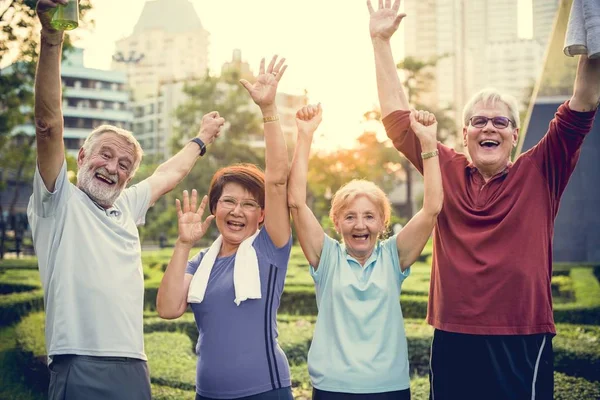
(359, 344)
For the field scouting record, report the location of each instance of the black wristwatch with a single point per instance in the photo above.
(200, 143)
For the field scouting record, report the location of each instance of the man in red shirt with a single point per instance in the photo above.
(490, 299)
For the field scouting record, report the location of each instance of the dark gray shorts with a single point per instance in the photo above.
(95, 378)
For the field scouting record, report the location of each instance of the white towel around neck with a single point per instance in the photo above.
(246, 276)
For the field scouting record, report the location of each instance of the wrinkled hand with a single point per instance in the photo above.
(424, 125)
(308, 119)
(191, 227)
(210, 127)
(263, 91)
(386, 20)
(45, 10)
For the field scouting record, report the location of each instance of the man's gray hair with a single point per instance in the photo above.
(92, 138)
(489, 97)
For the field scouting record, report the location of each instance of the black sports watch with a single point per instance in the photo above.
(200, 143)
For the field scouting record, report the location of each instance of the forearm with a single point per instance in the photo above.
(389, 88)
(433, 192)
(276, 157)
(172, 171)
(586, 91)
(48, 86)
(299, 173)
(171, 300)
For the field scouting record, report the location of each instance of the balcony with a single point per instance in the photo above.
(101, 114)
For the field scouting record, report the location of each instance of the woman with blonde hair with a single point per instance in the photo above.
(359, 348)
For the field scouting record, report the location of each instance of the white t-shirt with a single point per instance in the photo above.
(91, 268)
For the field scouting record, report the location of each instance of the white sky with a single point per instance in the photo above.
(326, 43)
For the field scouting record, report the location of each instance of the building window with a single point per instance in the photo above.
(77, 84)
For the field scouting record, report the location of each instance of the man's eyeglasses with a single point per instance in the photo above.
(229, 203)
(479, 121)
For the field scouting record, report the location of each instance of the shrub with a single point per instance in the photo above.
(14, 306)
(171, 360)
(32, 350)
(572, 388)
(169, 393)
(577, 351)
(586, 307)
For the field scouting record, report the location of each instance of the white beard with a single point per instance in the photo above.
(102, 194)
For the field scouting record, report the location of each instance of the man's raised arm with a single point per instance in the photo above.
(49, 122)
(382, 25)
(586, 92)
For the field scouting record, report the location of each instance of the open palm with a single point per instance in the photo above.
(190, 224)
(386, 20)
(263, 91)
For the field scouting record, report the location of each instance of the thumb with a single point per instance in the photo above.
(246, 84)
(398, 19)
(207, 221)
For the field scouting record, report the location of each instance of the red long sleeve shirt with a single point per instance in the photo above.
(492, 260)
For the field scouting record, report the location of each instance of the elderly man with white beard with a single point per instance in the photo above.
(87, 242)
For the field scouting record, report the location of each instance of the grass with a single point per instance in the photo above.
(170, 344)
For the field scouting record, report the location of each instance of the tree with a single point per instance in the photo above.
(370, 159)
(243, 125)
(19, 40)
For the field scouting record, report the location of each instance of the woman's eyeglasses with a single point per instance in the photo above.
(229, 203)
(479, 121)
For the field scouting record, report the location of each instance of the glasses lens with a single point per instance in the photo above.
(479, 122)
(500, 122)
(249, 205)
(228, 202)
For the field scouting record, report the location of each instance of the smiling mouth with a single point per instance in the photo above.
(489, 143)
(104, 179)
(236, 225)
(364, 237)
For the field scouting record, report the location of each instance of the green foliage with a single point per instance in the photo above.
(586, 307)
(168, 393)
(562, 289)
(18, 280)
(16, 305)
(572, 388)
(577, 351)
(23, 263)
(171, 359)
(225, 95)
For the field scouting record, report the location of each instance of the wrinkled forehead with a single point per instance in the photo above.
(359, 204)
(115, 143)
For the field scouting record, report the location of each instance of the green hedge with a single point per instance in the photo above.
(32, 351)
(14, 306)
(171, 359)
(169, 393)
(586, 307)
(577, 351)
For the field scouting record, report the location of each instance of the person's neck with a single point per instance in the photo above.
(489, 173)
(228, 249)
(361, 259)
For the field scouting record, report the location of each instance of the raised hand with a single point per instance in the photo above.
(191, 227)
(386, 20)
(210, 127)
(263, 91)
(424, 125)
(308, 119)
(45, 9)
